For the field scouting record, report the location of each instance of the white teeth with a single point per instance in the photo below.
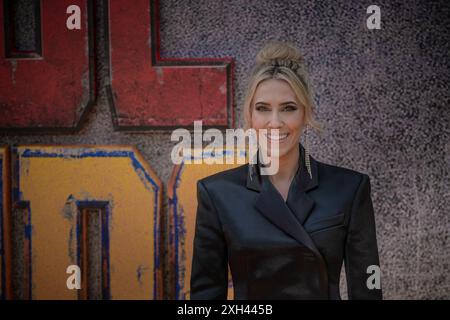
(280, 137)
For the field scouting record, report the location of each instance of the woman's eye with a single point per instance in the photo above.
(290, 108)
(261, 108)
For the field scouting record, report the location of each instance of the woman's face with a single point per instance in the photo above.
(275, 106)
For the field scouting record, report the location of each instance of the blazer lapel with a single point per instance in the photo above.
(298, 200)
(271, 205)
(288, 216)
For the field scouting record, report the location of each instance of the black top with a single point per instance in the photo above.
(284, 250)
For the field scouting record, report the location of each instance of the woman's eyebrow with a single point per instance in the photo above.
(281, 104)
(288, 102)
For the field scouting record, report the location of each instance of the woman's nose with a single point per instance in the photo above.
(275, 121)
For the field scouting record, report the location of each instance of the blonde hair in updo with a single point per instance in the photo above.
(280, 60)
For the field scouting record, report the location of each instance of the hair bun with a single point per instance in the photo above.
(277, 52)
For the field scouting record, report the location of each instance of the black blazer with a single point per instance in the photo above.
(284, 250)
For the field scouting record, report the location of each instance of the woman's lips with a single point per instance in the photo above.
(280, 137)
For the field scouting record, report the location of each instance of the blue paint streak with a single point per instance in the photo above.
(139, 274)
(106, 285)
(178, 285)
(27, 230)
(97, 204)
(28, 233)
(27, 153)
(78, 235)
(69, 244)
(156, 238)
(16, 190)
(139, 271)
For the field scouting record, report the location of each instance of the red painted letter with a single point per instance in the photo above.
(53, 89)
(150, 92)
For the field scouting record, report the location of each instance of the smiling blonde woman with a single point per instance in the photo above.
(287, 235)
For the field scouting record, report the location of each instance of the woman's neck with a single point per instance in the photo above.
(288, 165)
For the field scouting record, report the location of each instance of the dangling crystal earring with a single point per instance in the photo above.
(307, 160)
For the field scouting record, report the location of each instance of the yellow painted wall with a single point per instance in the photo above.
(184, 178)
(52, 179)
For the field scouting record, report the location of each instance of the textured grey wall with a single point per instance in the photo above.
(383, 96)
